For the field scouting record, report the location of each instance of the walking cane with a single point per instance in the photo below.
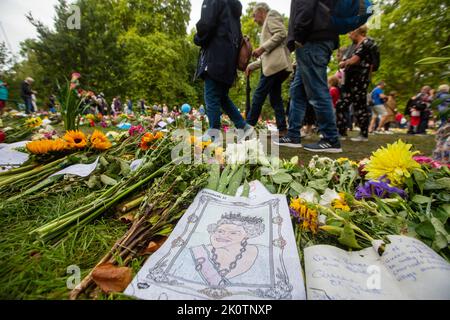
(247, 102)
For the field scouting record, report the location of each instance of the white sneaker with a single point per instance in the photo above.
(249, 131)
(360, 139)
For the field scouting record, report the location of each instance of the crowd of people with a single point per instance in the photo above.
(330, 105)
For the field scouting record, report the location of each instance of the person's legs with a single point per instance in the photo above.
(28, 105)
(230, 108)
(297, 106)
(259, 97)
(312, 61)
(276, 100)
(342, 108)
(213, 101)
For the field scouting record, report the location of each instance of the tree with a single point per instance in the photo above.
(411, 30)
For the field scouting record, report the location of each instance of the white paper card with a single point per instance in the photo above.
(81, 170)
(10, 158)
(162, 124)
(408, 269)
(226, 248)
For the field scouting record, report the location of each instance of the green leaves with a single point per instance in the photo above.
(348, 237)
(282, 178)
(421, 199)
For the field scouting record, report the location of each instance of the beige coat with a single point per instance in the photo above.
(277, 57)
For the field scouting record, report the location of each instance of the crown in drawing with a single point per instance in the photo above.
(241, 218)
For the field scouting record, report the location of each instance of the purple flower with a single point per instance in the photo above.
(378, 189)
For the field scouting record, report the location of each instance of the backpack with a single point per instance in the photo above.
(375, 56)
(245, 53)
(349, 15)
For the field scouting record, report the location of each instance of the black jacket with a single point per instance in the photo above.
(219, 35)
(25, 91)
(310, 21)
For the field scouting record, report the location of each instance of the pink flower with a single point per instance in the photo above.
(104, 124)
(134, 130)
(226, 128)
(427, 160)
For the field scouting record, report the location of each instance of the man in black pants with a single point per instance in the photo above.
(275, 64)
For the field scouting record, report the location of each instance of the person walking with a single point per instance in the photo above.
(379, 111)
(313, 51)
(443, 96)
(391, 110)
(4, 94)
(219, 36)
(354, 90)
(25, 93)
(275, 63)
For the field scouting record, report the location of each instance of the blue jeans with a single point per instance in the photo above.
(28, 105)
(310, 84)
(217, 99)
(269, 86)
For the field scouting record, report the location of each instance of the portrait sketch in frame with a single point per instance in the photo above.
(226, 248)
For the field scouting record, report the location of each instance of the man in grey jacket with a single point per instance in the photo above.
(275, 63)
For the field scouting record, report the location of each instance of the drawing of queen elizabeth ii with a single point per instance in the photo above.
(229, 259)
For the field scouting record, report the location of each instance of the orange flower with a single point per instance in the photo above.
(159, 135)
(75, 139)
(146, 141)
(99, 141)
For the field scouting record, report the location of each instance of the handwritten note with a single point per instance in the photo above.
(408, 269)
(419, 271)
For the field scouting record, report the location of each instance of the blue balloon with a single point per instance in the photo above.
(185, 108)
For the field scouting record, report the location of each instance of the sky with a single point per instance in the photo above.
(14, 27)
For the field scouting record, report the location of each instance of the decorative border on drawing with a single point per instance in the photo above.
(279, 287)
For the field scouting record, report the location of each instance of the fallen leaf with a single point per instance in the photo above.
(111, 278)
(127, 218)
(153, 246)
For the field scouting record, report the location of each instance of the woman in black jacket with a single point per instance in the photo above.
(219, 36)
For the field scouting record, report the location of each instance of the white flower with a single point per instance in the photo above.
(308, 196)
(248, 151)
(328, 197)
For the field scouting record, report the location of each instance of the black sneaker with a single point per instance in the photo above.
(324, 146)
(288, 142)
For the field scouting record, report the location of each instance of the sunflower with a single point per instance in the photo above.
(394, 162)
(46, 146)
(75, 139)
(308, 217)
(99, 141)
(146, 141)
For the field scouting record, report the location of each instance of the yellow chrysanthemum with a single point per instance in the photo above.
(307, 216)
(99, 141)
(395, 162)
(342, 160)
(46, 146)
(34, 122)
(75, 139)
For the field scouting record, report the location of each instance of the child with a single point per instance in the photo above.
(333, 84)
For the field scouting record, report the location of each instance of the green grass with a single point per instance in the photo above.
(33, 270)
(359, 150)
